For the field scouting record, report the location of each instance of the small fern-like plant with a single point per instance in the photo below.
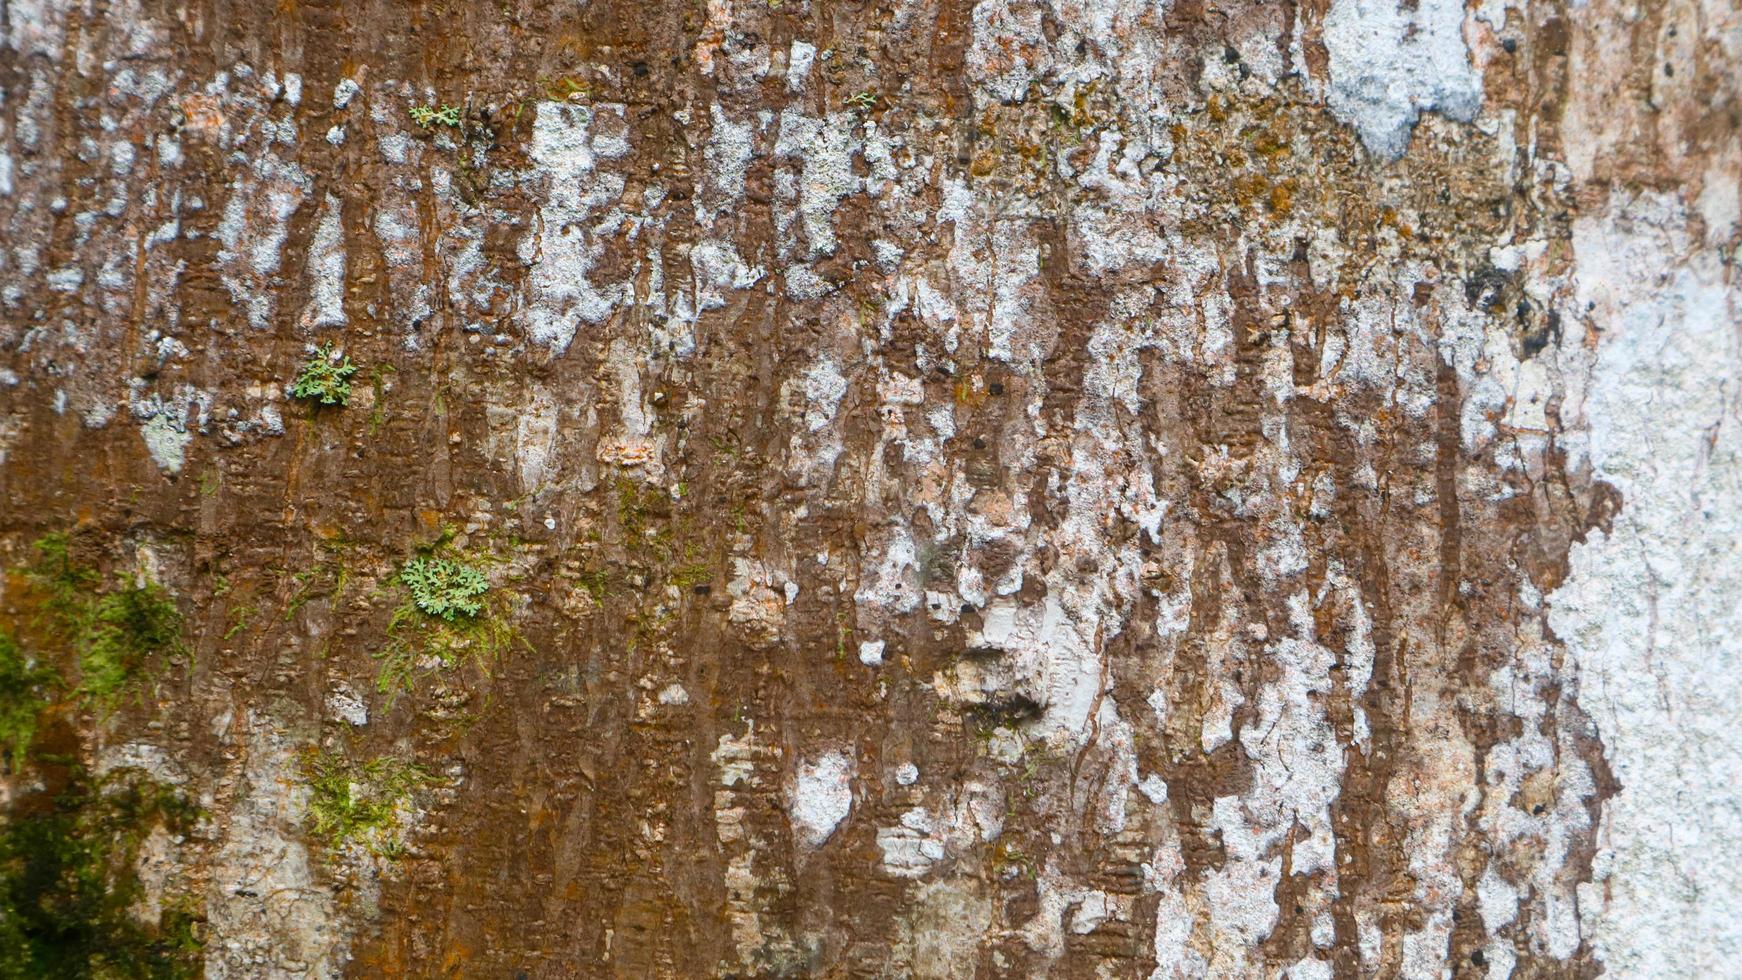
(325, 380)
(444, 587)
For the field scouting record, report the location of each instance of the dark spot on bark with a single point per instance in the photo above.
(1485, 290)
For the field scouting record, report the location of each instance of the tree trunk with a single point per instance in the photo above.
(925, 488)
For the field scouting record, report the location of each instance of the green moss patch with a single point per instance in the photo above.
(69, 897)
(25, 689)
(363, 803)
(114, 633)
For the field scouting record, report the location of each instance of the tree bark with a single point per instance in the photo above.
(1089, 489)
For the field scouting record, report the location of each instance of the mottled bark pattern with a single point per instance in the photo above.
(1091, 488)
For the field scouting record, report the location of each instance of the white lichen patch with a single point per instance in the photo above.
(1390, 62)
(326, 270)
(254, 229)
(1649, 610)
(564, 246)
(269, 915)
(822, 796)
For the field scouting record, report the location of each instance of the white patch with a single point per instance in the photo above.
(269, 914)
(344, 92)
(730, 147)
(147, 758)
(535, 441)
(395, 147)
(564, 246)
(166, 439)
(344, 705)
(1651, 611)
(326, 270)
(1091, 911)
(823, 151)
(253, 231)
(896, 585)
(822, 796)
(1389, 64)
(824, 387)
(798, 64)
(910, 849)
(1241, 894)
(871, 653)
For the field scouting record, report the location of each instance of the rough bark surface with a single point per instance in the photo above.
(1082, 488)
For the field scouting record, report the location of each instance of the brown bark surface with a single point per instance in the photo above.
(1000, 489)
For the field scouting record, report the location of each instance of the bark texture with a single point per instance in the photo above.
(1078, 488)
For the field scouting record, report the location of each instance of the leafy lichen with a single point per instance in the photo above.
(450, 619)
(324, 379)
(431, 116)
(444, 587)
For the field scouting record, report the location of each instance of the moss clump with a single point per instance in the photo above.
(24, 689)
(325, 380)
(127, 627)
(642, 510)
(68, 582)
(70, 901)
(444, 587)
(690, 575)
(360, 802)
(419, 644)
(68, 895)
(113, 632)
